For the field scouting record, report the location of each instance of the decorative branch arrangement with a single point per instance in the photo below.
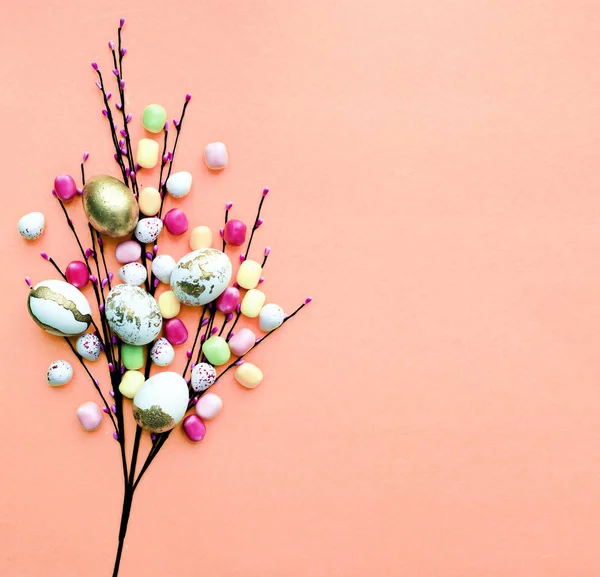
(128, 319)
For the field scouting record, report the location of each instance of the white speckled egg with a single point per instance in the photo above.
(201, 276)
(203, 376)
(179, 184)
(88, 346)
(148, 229)
(31, 226)
(162, 267)
(59, 308)
(161, 402)
(59, 373)
(271, 317)
(133, 314)
(162, 353)
(133, 273)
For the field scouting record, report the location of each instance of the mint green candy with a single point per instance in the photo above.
(132, 356)
(154, 118)
(216, 350)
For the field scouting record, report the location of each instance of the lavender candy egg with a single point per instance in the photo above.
(133, 273)
(89, 416)
(148, 229)
(88, 346)
(162, 353)
(203, 376)
(59, 373)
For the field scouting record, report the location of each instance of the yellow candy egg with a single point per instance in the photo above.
(149, 201)
(201, 237)
(248, 375)
(249, 274)
(147, 153)
(130, 383)
(252, 302)
(169, 305)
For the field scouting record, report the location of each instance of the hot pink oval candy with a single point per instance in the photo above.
(176, 332)
(175, 221)
(194, 428)
(77, 274)
(235, 232)
(65, 187)
(228, 300)
(128, 251)
(242, 342)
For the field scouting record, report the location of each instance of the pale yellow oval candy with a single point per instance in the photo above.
(147, 153)
(131, 381)
(169, 305)
(201, 237)
(249, 274)
(248, 375)
(149, 201)
(252, 302)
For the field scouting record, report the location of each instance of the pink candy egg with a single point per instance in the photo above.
(176, 221)
(194, 428)
(242, 342)
(65, 187)
(128, 251)
(209, 406)
(77, 273)
(228, 300)
(89, 416)
(176, 332)
(235, 232)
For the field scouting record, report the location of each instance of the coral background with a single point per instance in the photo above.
(433, 165)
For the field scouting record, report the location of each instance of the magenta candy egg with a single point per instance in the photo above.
(77, 273)
(176, 222)
(194, 428)
(65, 187)
(228, 300)
(128, 251)
(176, 332)
(235, 232)
(242, 342)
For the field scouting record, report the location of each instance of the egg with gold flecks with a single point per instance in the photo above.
(133, 314)
(59, 308)
(201, 276)
(110, 206)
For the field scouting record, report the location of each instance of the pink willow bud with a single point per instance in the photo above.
(123, 51)
(116, 436)
(101, 309)
(105, 410)
(104, 282)
(188, 354)
(238, 309)
(44, 256)
(118, 105)
(239, 362)
(121, 22)
(128, 118)
(104, 113)
(267, 250)
(242, 258)
(229, 318)
(156, 283)
(175, 123)
(111, 44)
(28, 281)
(86, 155)
(214, 331)
(111, 393)
(110, 276)
(188, 97)
(261, 279)
(111, 367)
(114, 409)
(259, 222)
(228, 205)
(94, 66)
(98, 85)
(265, 191)
(149, 255)
(307, 300)
(204, 322)
(222, 232)
(115, 72)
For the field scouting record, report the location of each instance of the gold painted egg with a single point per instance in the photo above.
(110, 206)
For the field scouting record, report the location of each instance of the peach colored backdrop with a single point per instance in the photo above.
(435, 186)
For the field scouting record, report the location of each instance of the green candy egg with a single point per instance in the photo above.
(132, 356)
(216, 350)
(154, 118)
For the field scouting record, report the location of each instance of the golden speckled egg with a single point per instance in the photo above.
(110, 206)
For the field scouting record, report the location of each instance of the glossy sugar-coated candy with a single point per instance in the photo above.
(162, 353)
(59, 373)
(131, 381)
(89, 416)
(209, 406)
(242, 341)
(215, 155)
(169, 305)
(132, 356)
(216, 350)
(65, 187)
(154, 118)
(149, 201)
(228, 300)
(249, 274)
(271, 317)
(147, 153)
(128, 251)
(162, 267)
(201, 237)
(252, 302)
(203, 376)
(77, 273)
(235, 232)
(176, 332)
(31, 226)
(194, 428)
(88, 346)
(176, 221)
(248, 375)
(179, 184)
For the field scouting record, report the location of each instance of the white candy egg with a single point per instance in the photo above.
(161, 402)
(31, 226)
(59, 308)
(59, 373)
(133, 314)
(179, 184)
(201, 276)
(162, 267)
(133, 273)
(148, 229)
(271, 317)
(88, 346)
(203, 376)
(162, 353)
